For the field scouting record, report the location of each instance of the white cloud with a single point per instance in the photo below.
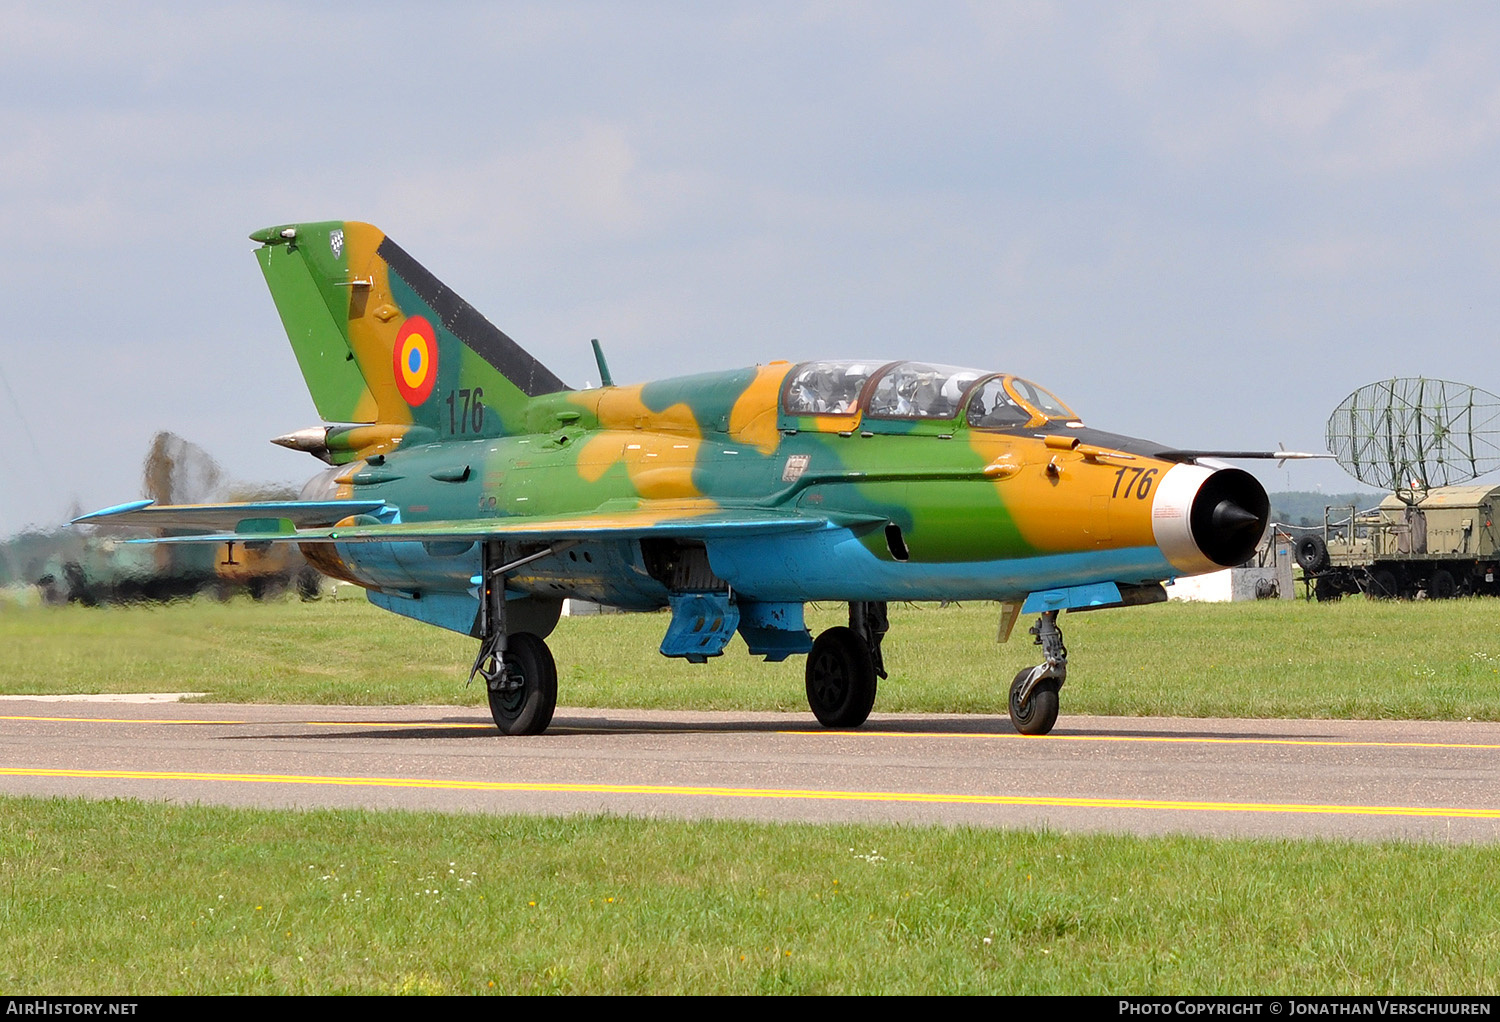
(1373, 112)
(579, 177)
(1333, 257)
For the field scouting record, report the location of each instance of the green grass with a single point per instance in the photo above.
(1437, 660)
(128, 897)
(133, 898)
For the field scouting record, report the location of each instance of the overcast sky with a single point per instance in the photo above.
(1201, 223)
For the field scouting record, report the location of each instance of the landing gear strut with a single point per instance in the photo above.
(1033, 693)
(843, 665)
(518, 670)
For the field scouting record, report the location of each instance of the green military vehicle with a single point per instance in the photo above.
(1442, 545)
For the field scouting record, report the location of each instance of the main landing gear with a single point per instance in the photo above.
(843, 665)
(521, 676)
(518, 670)
(1033, 693)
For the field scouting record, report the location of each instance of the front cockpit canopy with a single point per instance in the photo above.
(920, 390)
(992, 407)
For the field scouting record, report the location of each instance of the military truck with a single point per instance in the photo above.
(1442, 545)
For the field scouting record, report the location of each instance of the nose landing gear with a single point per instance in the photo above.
(1033, 694)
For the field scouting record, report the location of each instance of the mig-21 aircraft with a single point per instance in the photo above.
(470, 488)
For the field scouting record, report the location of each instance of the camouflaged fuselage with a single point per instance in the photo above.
(916, 510)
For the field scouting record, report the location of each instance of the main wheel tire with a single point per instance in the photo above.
(1327, 590)
(1442, 585)
(524, 706)
(840, 678)
(1383, 585)
(1040, 712)
(1312, 553)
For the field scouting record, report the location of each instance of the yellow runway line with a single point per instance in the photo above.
(118, 720)
(259, 723)
(1169, 739)
(440, 724)
(696, 791)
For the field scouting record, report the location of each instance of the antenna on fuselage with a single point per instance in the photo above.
(604, 378)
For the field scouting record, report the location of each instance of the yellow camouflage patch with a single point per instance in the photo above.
(374, 319)
(752, 420)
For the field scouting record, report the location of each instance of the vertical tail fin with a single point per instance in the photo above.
(380, 339)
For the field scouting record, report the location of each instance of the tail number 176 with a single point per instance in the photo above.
(466, 411)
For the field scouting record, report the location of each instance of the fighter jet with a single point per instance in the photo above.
(470, 488)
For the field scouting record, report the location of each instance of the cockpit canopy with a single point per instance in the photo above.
(917, 390)
(920, 390)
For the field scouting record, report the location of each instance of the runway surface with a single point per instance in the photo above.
(1426, 781)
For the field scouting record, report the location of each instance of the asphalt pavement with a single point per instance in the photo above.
(1410, 780)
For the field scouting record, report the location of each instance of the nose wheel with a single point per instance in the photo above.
(1034, 692)
(1035, 712)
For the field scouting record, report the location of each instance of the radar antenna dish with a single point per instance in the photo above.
(1408, 435)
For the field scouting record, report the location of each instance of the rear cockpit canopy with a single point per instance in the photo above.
(919, 390)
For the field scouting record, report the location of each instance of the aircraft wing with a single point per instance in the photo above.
(598, 525)
(264, 522)
(146, 514)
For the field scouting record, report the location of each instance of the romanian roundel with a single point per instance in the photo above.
(415, 360)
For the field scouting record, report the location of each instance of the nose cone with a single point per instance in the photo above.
(1229, 517)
